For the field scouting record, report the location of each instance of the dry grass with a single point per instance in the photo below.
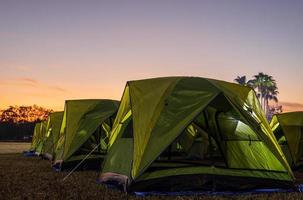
(32, 178)
(14, 147)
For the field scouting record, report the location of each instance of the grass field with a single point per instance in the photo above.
(13, 147)
(32, 178)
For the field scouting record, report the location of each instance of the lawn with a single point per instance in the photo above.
(32, 178)
(13, 147)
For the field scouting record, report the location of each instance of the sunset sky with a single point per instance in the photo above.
(56, 50)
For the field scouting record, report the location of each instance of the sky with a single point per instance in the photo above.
(56, 50)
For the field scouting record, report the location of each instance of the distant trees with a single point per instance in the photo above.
(265, 87)
(18, 122)
(23, 114)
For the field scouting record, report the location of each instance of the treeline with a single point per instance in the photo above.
(24, 114)
(18, 122)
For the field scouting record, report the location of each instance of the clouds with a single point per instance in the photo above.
(29, 80)
(30, 83)
(28, 91)
(291, 106)
(57, 88)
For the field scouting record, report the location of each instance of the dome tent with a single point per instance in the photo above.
(36, 137)
(288, 129)
(188, 133)
(84, 129)
(40, 138)
(52, 134)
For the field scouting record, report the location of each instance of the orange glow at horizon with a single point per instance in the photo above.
(21, 92)
(25, 91)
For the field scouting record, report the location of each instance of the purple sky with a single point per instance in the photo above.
(57, 50)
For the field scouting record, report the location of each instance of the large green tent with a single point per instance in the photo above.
(52, 134)
(84, 131)
(186, 133)
(288, 129)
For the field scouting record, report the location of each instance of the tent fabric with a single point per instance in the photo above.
(52, 134)
(41, 137)
(36, 137)
(157, 116)
(288, 129)
(81, 119)
(124, 109)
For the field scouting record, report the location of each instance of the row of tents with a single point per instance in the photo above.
(175, 134)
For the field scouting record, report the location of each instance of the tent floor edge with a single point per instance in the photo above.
(114, 180)
(207, 182)
(194, 182)
(47, 156)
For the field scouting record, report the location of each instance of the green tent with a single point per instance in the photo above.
(288, 129)
(186, 133)
(84, 131)
(52, 134)
(36, 135)
(41, 137)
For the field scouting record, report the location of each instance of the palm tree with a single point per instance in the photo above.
(242, 81)
(258, 84)
(266, 89)
(270, 94)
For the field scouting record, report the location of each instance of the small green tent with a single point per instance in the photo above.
(52, 134)
(288, 129)
(85, 127)
(36, 135)
(41, 137)
(187, 133)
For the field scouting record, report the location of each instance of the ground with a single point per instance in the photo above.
(33, 178)
(13, 147)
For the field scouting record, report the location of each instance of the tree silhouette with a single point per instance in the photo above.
(23, 114)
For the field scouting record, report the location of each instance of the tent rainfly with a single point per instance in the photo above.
(189, 133)
(84, 132)
(35, 139)
(40, 137)
(288, 129)
(52, 134)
